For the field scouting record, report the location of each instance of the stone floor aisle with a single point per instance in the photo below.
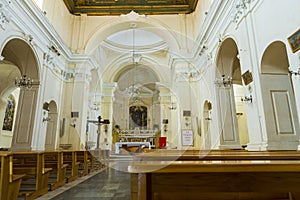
(109, 184)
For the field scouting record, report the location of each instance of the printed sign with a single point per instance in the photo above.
(187, 138)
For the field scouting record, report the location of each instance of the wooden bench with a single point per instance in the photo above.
(9, 182)
(84, 162)
(175, 174)
(35, 181)
(172, 155)
(92, 163)
(57, 177)
(101, 158)
(215, 179)
(70, 158)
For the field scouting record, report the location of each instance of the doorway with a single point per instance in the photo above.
(51, 121)
(278, 99)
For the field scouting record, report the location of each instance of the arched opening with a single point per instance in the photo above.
(278, 99)
(228, 79)
(241, 114)
(207, 109)
(51, 121)
(8, 110)
(19, 56)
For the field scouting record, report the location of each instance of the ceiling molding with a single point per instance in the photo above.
(118, 7)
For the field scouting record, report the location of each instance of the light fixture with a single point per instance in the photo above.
(24, 82)
(294, 72)
(225, 82)
(173, 105)
(134, 90)
(46, 119)
(247, 99)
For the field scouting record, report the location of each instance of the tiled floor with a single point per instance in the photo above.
(110, 184)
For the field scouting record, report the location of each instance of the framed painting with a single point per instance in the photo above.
(247, 77)
(294, 41)
(9, 114)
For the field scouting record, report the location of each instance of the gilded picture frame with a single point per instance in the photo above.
(294, 41)
(247, 77)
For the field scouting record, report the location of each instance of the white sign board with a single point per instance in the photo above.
(187, 138)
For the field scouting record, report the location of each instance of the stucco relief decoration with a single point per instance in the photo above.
(48, 59)
(4, 17)
(240, 12)
(9, 114)
(67, 76)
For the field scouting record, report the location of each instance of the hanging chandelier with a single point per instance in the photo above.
(134, 90)
(24, 82)
(225, 82)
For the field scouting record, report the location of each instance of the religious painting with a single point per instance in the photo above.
(247, 77)
(9, 114)
(294, 41)
(138, 117)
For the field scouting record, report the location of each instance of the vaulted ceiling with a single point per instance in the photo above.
(117, 7)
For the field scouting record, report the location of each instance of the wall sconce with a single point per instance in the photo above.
(105, 127)
(224, 82)
(208, 118)
(294, 73)
(247, 99)
(165, 123)
(165, 128)
(187, 121)
(46, 119)
(74, 116)
(73, 122)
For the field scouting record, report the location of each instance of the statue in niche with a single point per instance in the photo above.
(138, 117)
(9, 114)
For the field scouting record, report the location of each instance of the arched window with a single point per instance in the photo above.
(9, 114)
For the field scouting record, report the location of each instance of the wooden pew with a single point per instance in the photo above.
(35, 183)
(215, 179)
(57, 177)
(172, 155)
(9, 182)
(92, 163)
(101, 158)
(84, 162)
(70, 158)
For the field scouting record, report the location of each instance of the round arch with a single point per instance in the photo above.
(124, 63)
(51, 121)
(114, 26)
(228, 72)
(275, 59)
(22, 56)
(226, 59)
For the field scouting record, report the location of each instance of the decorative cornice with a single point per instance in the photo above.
(188, 75)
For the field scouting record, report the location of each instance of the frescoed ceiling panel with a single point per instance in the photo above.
(117, 7)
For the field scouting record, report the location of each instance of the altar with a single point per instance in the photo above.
(131, 147)
(138, 136)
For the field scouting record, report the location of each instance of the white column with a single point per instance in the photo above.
(107, 100)
(80, 104)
